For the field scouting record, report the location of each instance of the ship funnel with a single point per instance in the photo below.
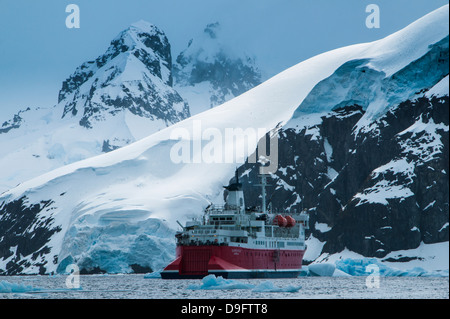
(235, 194)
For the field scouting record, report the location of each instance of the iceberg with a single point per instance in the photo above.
(361, 267)
(323, 270)
(8, 287)
(211, 282)
(153, 275)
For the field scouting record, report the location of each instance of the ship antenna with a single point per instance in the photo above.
(263, 193)
(263, 185)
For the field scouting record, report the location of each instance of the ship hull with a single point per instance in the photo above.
(233, 262)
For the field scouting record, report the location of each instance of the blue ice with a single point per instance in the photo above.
(324, 270)
(153, 275)
(211, 282)
(358, 267)
(8, 287)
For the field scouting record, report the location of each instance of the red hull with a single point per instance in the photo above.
(233, 262)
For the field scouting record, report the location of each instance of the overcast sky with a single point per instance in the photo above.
(38, 51)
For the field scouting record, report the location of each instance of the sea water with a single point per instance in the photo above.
(139, 287)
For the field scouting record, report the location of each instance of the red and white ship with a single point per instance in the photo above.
(233, 242)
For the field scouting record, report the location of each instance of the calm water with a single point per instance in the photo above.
(138, 287)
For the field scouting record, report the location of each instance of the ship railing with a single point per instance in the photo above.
(221, 210)
(275, 231)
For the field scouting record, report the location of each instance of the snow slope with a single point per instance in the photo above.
(379, 78)
(121, 208)
(120, 97)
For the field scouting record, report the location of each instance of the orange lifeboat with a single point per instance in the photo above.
(290, 221)
(280, 221)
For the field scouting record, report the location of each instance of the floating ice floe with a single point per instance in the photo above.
(268, 286)
(360, 267)
(153, 275)
(211, 282)
(8, 287)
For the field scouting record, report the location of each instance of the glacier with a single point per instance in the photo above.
(356, 83)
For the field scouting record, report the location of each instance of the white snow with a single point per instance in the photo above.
(440, 89)
(429, 205)
(385, 188)
(328, 150)
(332, 174)
(322, 269)
(314, 248)
(45, 141)
(444, 227)
(429, 140)
(322, 227)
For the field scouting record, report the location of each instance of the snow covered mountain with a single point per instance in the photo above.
(372, 193)
(384, 129)
(127, 93)
(122, 96)
(210, 72)
(368, 155)
(134, 74)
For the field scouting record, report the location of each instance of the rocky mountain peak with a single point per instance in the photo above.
(134, 74)
(211, 29)
(213, 68)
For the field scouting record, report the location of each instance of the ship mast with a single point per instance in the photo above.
(263, 192)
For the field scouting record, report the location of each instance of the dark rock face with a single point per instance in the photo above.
(13, 123)
(205, 60)
(227, 77)
(408, 156)
(378, 181)
(135, 74)
(25, 232)
(378, 191)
